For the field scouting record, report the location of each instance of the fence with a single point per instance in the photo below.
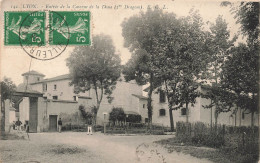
(135, 128)
(239, 138)
(119, 128)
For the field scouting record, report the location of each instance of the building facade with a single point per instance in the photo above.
(197, 113)
(59, 100)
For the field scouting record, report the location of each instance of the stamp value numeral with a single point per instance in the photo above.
(24, 28)
(72, 27)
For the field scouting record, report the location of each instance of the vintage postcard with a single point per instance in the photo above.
(129, 81)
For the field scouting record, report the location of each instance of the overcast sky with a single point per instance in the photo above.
(14, 61)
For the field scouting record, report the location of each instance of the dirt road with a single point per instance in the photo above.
(79, 147)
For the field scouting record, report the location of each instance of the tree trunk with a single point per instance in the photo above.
(252, 119)
(216, 118)
(187, 113)
(171, 120)
(149, 103)
(240, 118)
(235, 118)
(3, 117)
(211, 118)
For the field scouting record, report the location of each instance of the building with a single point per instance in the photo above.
(197, 113)
(59, 101)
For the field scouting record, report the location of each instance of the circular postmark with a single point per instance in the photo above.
(36, 37)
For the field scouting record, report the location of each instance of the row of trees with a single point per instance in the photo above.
(176, 55)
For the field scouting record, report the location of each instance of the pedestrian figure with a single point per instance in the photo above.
(18, 124)
(27, 130)
(89, 126)
(13, 125)
(59, 124)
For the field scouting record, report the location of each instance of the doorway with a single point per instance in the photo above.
(53, 122)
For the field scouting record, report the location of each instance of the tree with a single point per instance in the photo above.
(140, 34)
(87, 115)
(247, 15)
(117, 114)
(181, 58)
(7, 90)
(219, 44)
(95, 67)
(241, 78)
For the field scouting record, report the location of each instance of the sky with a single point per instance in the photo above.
(14, 61)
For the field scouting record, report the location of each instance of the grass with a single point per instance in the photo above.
(8, 136)
(62, 149)
(218, 155)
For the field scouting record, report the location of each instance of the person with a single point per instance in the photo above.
(27, 130)
(13, 125)
(18, 124)
(59, 124)
(89, 126)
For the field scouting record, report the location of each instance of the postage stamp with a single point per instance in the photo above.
(77, 30)
(24, 27)
(41, 50)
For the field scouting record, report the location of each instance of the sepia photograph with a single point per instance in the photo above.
(131, 81)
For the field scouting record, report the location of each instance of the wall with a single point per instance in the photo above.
(66, 110)
(24, 110)
(63, 90)
(143, 111)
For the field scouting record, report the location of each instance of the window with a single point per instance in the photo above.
(44, 87)
(243, 115)
(162, 96)
(55, 87)
(44, 97)
(146, 120)
(143, 105)
(38, 79)
(183, 111)
(55, 97)
(162, 112)
(75, 98)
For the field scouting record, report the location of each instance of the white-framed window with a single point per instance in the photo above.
(55, 86)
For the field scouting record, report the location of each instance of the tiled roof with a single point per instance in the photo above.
(33, 73)
(60, 77)
(25, 88)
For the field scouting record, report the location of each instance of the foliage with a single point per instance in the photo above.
(219, 45)
(7, 90)
(240, 76)
(133, 118)
(95, 67)
(245, 57)
(140, 33)
(181, 58)
(85, 114)
(117, 114)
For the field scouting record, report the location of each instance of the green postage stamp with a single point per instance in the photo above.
(64, 28)
(69, 26)
(24, 28)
